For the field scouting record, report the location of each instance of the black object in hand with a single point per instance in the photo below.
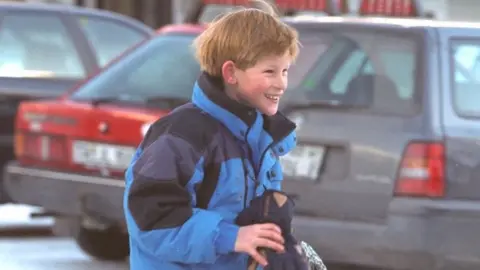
(277, 208)
(292, 259)
(272, 207)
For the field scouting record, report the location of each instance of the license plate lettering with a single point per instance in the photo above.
(101, 155)
(304, 162)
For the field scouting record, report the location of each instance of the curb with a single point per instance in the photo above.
(25, 229)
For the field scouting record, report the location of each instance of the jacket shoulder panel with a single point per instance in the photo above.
(190, 123)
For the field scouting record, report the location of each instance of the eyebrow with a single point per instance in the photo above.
(275, 66)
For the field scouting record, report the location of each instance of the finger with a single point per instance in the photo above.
(258, 257)
(272, 235)
(269, 226)
(266, 243)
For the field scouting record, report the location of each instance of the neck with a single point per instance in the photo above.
(234, 94)
(231, 92)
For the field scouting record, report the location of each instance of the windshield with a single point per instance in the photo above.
(376, 71)
(165, 67)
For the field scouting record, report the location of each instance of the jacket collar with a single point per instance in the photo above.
(209, 95)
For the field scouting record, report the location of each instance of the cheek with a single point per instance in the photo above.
(256, 88)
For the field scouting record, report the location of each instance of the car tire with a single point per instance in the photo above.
(110, 244)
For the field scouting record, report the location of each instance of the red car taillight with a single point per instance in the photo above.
(422, 170)
(41, 146)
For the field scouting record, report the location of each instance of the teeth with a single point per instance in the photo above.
(272, 97)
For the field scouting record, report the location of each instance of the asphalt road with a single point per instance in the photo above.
(48, 253)
(26, 244)
(54, 253)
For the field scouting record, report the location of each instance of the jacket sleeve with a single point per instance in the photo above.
(159, 195)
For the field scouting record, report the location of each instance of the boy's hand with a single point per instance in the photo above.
(252, 237)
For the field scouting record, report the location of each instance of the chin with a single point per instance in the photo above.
(269, 111)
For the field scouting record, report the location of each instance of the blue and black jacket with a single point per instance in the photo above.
(173, 221)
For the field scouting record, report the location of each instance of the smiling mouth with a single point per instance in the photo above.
(272, 98)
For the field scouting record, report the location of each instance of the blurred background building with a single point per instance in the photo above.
(159, 12)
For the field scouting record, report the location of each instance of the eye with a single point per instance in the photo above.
(269, 71)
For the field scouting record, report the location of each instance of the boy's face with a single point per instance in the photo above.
(262, 85)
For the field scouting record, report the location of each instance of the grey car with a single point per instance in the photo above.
(387, 169)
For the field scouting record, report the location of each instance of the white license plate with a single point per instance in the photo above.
(304, 162)
(102, 155)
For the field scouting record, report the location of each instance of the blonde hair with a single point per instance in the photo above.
(244, 36)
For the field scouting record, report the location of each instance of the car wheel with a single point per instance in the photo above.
(109, 244)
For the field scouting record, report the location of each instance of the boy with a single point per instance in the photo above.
(230, 134)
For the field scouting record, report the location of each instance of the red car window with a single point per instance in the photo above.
(162, 67)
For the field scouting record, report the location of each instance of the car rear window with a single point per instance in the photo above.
(166, 67)
(371, 71)
(466, 77)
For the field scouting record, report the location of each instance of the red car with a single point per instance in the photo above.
(72, 152)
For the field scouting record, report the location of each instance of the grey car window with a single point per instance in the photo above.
(109, 39)
(369, 70)
(466, 78)
(37, 46)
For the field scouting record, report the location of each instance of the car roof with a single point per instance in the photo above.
(358, 21)
(182, 28)
(68, 9)
(382, 22)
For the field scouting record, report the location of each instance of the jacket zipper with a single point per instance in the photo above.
(262, 158)
(257, 172)
(245, 168)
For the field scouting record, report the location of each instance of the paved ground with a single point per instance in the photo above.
(48, 253)
(27, 244)
(54, 253)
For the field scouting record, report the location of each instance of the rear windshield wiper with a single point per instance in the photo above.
(166, 102)
(121, 98)
(158, 101)
(102, 100)
(96, 101)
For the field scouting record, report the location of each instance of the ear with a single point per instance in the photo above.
(228, 72)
